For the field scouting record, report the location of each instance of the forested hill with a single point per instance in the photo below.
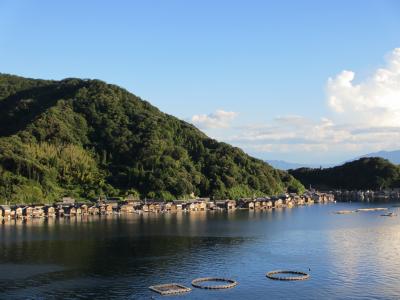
(365, 173)
(85, 138)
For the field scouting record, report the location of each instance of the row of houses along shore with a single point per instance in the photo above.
(68, 207)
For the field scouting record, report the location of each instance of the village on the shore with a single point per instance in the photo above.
(68, 207)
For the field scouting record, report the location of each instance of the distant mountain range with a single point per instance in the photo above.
(392, 156)
(285, 165)
(362, 174)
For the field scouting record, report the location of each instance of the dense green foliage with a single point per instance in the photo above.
(365, 173)
(85, 137)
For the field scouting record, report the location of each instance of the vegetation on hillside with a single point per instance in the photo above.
(85, 138)
(365, 173)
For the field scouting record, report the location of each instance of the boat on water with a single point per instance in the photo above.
(389, 214)
(344, 212)
(372, 209)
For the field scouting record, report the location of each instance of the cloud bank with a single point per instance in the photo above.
(364, 117)
(375, 101)
(218, 119)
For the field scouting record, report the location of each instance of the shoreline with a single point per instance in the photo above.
(90, 217)
(68, 208)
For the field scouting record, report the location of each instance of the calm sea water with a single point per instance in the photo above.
(350, 256)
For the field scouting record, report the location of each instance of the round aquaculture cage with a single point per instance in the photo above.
(287, 275)
(202, 283)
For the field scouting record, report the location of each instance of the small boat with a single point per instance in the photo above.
(371, 209)
(343, 212)
(389, 214)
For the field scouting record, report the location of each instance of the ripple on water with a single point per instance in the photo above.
(350, 257)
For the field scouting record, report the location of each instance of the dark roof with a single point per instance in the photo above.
(220, 201)
(179, 201)
(158, 201)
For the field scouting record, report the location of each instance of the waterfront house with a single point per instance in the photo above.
(101, 208)
(226, 204)
(93, 210)
(263, 203)
(69, 210)
(110, 208)
(84, 209)
(78, 210)
(211, 205)
(155, 205)
(230, 204)
(192, 206)
(197, 205)
(317, 197)
(17, 211)
(49, 211)
(127, 208)
(288, 202)
(277, 202)
(37, 211)
(308, 200)
(170, 206)
(12, 213)
(180, 204)
(249, 204)
(135, 203)
(220, 204)
(59, 211)
(201, 204)
(6, 211)
(300, 200)
(269, 204)
(259, 203)
(72, 211)
(245, 203)
(145, 208)
(27, 211)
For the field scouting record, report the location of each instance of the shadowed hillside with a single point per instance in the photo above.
(85, 137)
(365, 173)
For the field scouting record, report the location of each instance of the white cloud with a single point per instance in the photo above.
(218, 119)
(365, 117)
(374, 101)
(315, 138)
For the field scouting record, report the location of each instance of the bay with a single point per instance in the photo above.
(352, 256)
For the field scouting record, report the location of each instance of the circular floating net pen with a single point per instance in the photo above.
(204, 283)
(287, 275)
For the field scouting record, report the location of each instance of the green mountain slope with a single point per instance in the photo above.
(364, 173)
(85, 137)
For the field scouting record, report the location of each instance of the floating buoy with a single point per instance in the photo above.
(230, 283)
(274, 275)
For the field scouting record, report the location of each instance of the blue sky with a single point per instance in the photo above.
(237, 69)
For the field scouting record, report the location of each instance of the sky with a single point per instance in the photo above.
(302, 81)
